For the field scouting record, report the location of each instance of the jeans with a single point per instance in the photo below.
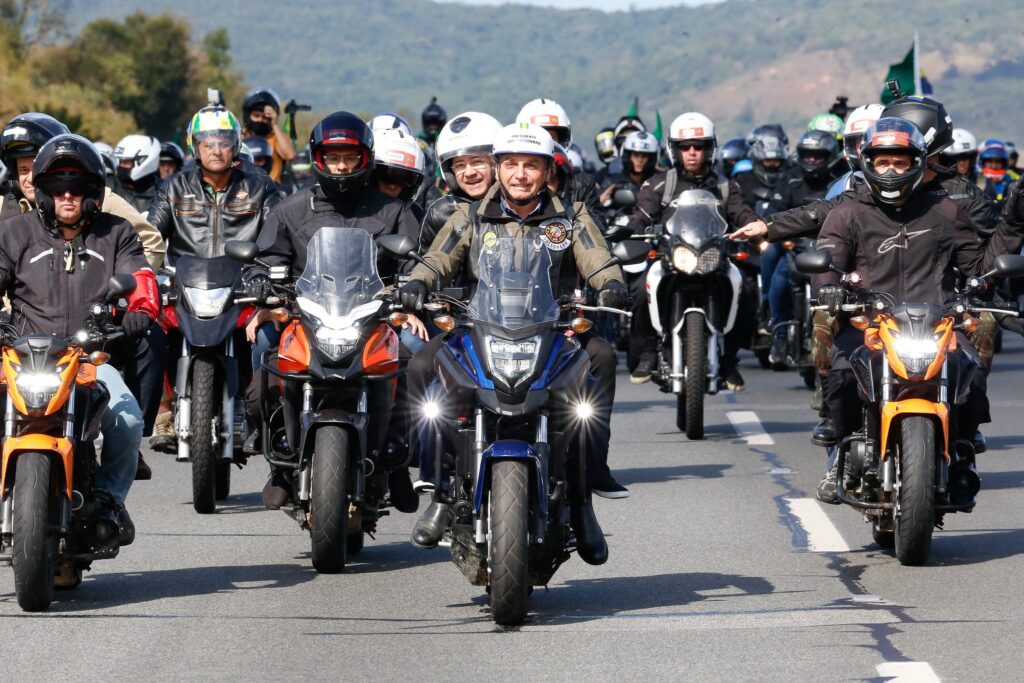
(780, 296)
(143, 362)
(770, 258)
(122, 435)
(267, 339)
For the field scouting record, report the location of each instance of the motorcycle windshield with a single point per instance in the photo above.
(340, 273)
(696, 220)
(514, 286)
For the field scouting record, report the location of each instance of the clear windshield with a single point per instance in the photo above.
(696, 219)
(341, 270)
(514, 285)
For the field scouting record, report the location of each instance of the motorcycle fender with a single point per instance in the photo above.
(38, 443)
(654, 278)
(736, 282)
(357, 423)
(914, 406)
(512, 450)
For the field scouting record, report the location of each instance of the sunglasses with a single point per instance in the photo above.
(59, 188)
(396, 176)
(687, 146)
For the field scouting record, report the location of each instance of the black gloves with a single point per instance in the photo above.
(412, 295)
(832, 296)
(136, 324)
(258, 287)
(613, 295)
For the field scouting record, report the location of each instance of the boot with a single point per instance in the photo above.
(143, 472)
(430, 528)
(277, 491)
(645, 368)
(824, 433)
(127, 526)
(403, 497)
(590, 543)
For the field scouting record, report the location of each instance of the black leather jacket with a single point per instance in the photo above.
(196, 222)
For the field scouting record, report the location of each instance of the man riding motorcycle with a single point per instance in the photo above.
(520, 205)
(342, 147)
(692, 143)
(138, 168)
(894, 236)
(56, 262)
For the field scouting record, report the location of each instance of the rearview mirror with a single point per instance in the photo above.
(1009, 265)
(630, 252)
(119, 286)
(398, 246)
(813, 262)
(243, 252)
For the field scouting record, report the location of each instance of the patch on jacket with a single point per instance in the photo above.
(557, 234)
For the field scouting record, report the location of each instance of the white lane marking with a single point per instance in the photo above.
(822, 535)
(749, 428)
(907, 672)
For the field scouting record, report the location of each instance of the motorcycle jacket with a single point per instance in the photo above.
(795, 190)
(292, 223)
(981, 211)
(567, 231)
(655, 203)
(438, 213)
(152, 241)
(197, 221)
(52, 283)
(897, 248)
(755, 194)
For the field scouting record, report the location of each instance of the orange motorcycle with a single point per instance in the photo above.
(54, 522)
(904, 469)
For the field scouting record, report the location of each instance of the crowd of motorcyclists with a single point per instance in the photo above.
(891, 191)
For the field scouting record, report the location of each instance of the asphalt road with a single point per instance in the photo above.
(721, 568)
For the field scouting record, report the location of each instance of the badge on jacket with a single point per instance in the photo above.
(557, 234)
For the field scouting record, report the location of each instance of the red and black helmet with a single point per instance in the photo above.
(341, 129)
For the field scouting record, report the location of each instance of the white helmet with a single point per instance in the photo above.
(524, 138)
(107, 152)
(144, 153)
(858, 121)
(639, 141)
(470, 133)
(549, 115)
(575, 159)
(963, 144)
(397, 149)
(388, 121)
(692, 126)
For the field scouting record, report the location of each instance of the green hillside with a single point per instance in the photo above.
(740, 61)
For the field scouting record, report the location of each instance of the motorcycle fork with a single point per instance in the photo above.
(305, 479)
(714, 341)
(677, 342)
(227, 403)
(889, 463)
(480, 524)
(544, 451)
(183, 415)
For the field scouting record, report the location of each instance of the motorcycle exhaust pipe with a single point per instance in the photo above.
(964, 482)
(105, 530)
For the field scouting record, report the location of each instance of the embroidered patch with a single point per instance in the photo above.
(557, 234)
(490, 239)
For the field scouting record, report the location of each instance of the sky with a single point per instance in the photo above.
(606, 5)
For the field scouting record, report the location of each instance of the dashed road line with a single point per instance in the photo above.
(749, 428)
(822, 535)
(907, 672)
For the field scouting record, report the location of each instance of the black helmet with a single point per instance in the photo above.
(68, 162)
(434, 117)
(171, 153)
(345, 129)
(258, 147)
(894, 135)
(929, 116)
(626, 125)
(817, 153)
(604, 143)
(257, 99)
(767, 142)
(25, 134)
(731, 153)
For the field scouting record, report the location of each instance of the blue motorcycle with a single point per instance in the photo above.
(515, 416)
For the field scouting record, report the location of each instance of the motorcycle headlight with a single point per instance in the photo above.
(916, 354)
(512, 359)
(37, 388)
(686, 261)
(207, 303)
(336, 343)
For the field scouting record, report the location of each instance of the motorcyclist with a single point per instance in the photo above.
(172, 158)
(640, 153)
(900, 239)
(464, 159)
(301, 175)
(138, 169)
(962, 154)
(827, 123)
(433, 119)
(768, 153)
(342, 147)
(55, 262)
(261, 152)
(691, 150)
(398, 167)
(109, 163)
(731, 153)
(817, 156)
(142, 360)
(607, 154)
(388, 120)
(1013, 158)
(261, 111)
(201, 208)
(939, 181)
(994, 175)
(550, 116)
(520, 205)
